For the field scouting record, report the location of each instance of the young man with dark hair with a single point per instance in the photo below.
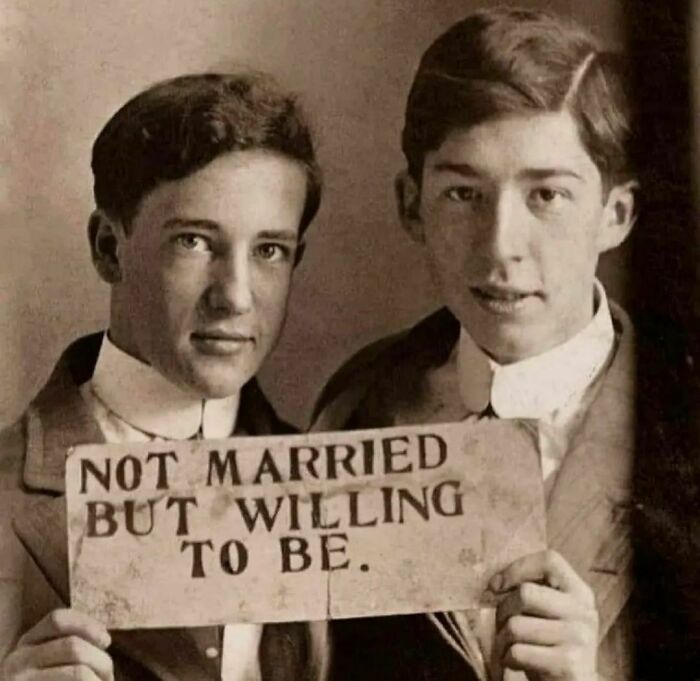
(517, 138)
(204, 186)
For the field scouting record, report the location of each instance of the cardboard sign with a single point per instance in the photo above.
(285, 528)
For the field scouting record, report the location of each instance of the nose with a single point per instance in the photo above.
(231, 289)
(505, 229)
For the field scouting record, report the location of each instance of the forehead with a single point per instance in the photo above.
(511, 145)
(254, 184)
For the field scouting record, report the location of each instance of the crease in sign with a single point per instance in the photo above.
(329, 593)
(76, 550)
(308, 488)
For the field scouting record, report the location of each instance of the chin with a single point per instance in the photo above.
(507, 344)
(219, 393)
(217, 389)
(217, 384)
(213, 377)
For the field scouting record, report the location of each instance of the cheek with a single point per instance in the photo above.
(449, 247)
(271, 297)
(577, 247)
(582, 224)
(178, 291)
(567, 263)
(573, 234)
(144, 287)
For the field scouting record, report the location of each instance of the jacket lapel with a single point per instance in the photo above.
(588, 512)
(57, 420)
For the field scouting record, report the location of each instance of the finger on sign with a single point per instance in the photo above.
(538, 601)
(528, 657)
(536, 630)
(66, 622)
(69, 650)
(548, 567)
(67, 673)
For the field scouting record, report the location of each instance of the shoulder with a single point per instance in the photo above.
(388, 365)
(257, 416)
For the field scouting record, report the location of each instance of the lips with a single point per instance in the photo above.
(503, 299)
(221, 335)
(220, 342)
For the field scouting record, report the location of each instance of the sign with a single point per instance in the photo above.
(303, 527)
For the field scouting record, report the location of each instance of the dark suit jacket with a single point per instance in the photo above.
(32, 456)
(412, 378)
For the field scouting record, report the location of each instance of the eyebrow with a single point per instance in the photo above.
(175, 223)
(279, 235)
(459, 168)
(527, 173)
(544, 173)
(213, 226)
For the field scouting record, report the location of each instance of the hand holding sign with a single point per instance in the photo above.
(548, 623)
(66, 644)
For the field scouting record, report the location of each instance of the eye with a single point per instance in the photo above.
(195, 243)
(463, 194)
(547, 197)
(272, 252)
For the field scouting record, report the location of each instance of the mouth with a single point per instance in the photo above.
(503, 300)
(221, 343)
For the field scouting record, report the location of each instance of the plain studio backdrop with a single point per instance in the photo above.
(67, 66)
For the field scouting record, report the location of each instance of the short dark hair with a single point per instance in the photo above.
(510, 61)
(178, 126)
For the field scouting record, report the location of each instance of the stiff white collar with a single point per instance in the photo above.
(139, 395)
(538, 386)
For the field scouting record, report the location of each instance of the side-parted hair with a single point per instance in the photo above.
(502, 61)
(178, 126)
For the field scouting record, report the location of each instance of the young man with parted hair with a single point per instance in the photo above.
(204, 187)
(517, 140)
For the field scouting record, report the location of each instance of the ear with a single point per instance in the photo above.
(104, 234)
(301, 249)
(619, 216)
(408, 202)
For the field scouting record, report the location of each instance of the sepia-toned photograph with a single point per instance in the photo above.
(349, 340)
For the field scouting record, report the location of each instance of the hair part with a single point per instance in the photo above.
(500, 62)
(178, 126)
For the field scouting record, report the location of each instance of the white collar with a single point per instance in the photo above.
(146, 400)
(537, 386)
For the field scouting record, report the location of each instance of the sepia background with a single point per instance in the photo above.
(69, 64)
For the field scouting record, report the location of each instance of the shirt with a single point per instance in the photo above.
(132, 402)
